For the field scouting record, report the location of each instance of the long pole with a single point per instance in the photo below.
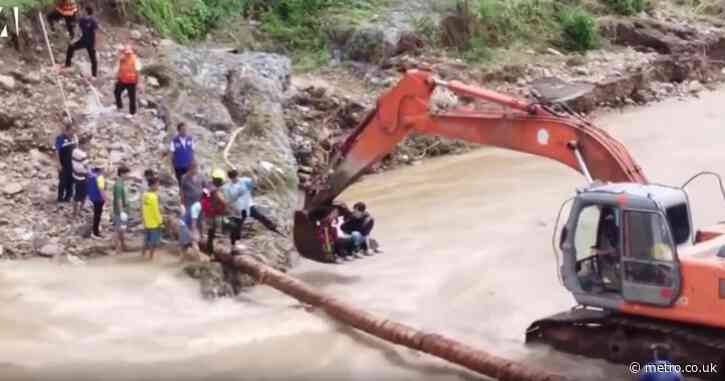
(431, 343)
(52, 61)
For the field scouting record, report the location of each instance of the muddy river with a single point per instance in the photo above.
(467, 253)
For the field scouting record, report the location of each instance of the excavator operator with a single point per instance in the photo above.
(608, 252)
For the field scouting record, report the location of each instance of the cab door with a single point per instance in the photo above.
(651, 271)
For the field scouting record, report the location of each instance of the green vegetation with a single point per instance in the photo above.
(25, 5)
(579, 30)
(506, 21)
(626, 7)
(501, 24)
(186, 20)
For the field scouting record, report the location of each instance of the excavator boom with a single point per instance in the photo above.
(533, 128)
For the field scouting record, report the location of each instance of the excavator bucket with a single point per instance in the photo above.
(305, 238)
(311, 233)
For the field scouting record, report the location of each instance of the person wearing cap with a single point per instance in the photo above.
(67, 10)
(65, 142)
(120, 209)
(88, 25)
(128, 79)
(80, 172)
(95, 188)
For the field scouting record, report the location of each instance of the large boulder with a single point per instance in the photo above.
(224, 96)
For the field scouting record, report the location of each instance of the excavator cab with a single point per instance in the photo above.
(620, 244)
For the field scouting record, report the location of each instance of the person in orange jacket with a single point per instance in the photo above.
(64, 9)
(128, 79)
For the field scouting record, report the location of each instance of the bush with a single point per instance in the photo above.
(26, 5)
(186, 20)
(296, 23)
(506, 21)
(626, 7)
(579, 30)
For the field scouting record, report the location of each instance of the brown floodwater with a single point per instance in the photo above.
(468, 254)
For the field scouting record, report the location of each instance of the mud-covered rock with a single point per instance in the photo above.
(236, 99)
(366, 45)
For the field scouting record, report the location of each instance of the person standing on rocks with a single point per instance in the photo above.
(80, 171)
(214, 207)
(88, 25)
(182, 150)
(96, 193)
(120, 210)
(238, 195)
(192, 185)
(128, 79)
(64, 9)
(152, 219)
(65, 142)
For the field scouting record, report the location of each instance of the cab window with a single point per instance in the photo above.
(648, 250)
(648, 237)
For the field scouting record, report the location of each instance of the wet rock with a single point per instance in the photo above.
(12, 189)
(409, 42)
(554, 52)
(455, 31)
(695, 87)
(7, 83)
(662, 37)
(30, 77)
(210, 69)
(51, 250)
(153, 82)
(366, 45)
(214, 281)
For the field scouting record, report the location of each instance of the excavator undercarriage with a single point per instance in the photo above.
(625, 339)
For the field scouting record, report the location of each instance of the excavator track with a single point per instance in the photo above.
(625, 339)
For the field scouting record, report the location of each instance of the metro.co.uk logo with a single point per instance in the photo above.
(16, 17)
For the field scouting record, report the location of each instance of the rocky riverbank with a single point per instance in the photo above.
(282, 126)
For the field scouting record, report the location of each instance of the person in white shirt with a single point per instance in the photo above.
(80, 171)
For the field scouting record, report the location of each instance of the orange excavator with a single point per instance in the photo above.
(640, 274)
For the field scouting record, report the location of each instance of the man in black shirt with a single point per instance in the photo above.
(359, 223)
(64, 145)
(88, 25)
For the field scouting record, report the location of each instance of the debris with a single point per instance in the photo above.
(51, 250)
(554, 52)
(7, 82)
(12, 189)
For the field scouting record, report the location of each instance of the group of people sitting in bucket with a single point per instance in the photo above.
(346, 233)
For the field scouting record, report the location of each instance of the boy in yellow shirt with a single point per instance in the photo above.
(152, 218)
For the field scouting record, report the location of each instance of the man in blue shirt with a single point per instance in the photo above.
(95, 188)
(240, 205)
(65, 142)
(660, 369)
(182, 149)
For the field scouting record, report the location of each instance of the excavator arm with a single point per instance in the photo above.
(532, 128)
